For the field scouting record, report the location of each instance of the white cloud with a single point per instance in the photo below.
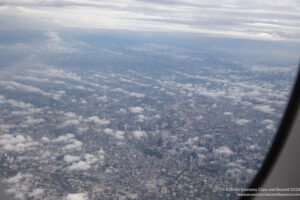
(123, 111)
(136, 109)
(45, 139)
(81, 165)
(33, 121)
(141, 117)
(223, 150)
(269, 124)
(117, 133)
(108, 131)
(98, 121)
(17, 178)
(241, 122)
(71, 122)
(49, 71)
(15, 103)
(90, 159)
(27, 108)
(256, 19)
(73, 145)
(227, 113)
(272, 69)
(137, 95)
(12, 85)
(53, 36)
(39, 80)
(18, 143)
(139, 134)
(18, 185)
(64, 138)
(264, 108)
(57, 95)
(70, 158)
(36, 193)
(28, 88)
(80, 87)
(77, 196)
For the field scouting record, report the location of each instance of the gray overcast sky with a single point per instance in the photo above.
(256, 19)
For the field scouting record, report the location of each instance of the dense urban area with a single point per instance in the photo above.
(146, 120)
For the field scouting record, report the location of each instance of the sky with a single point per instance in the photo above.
(256, 19)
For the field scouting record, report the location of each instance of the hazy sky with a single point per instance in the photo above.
(258, 19)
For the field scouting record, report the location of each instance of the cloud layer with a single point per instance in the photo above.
(251, 19)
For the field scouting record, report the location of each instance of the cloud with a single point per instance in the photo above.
(96, 120)
(70, 114)
(57, 95)
(39, 80)
(33, 121)
(18, 143)
(139, 134)
(51, 72)
(18, 185)
(20, 86)
(81, 165)
(272, 69)
(45, 139)
(77, 196)
(80, 87)
(141, 117)
(241, 122)
(117, 133)
(227, 113)
(36, 193)
(53, 36)
(64, 138)
(12, 85)
(108, 131)
(73, 145)
(256, 19)
(269, 124)
(137, 95)
(264, 108)
(85, 161)
(136, 109)
(223, 150)
(70, 158)
(28, 109)
(91, 159)
(15, 103)
(71, 122)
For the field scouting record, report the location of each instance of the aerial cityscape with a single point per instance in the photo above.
(145, 100)
(157, 122)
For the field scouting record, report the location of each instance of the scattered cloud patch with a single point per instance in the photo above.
(241, 122)
(136, 109)
(264, 108)
(64, 138)
(18, 185)
(117, 133)
(18, 143)
(137, 95)
(139, 134)
(96, 120)
(223, 150)
(81, 165)
(77, 196)
(70, 158)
